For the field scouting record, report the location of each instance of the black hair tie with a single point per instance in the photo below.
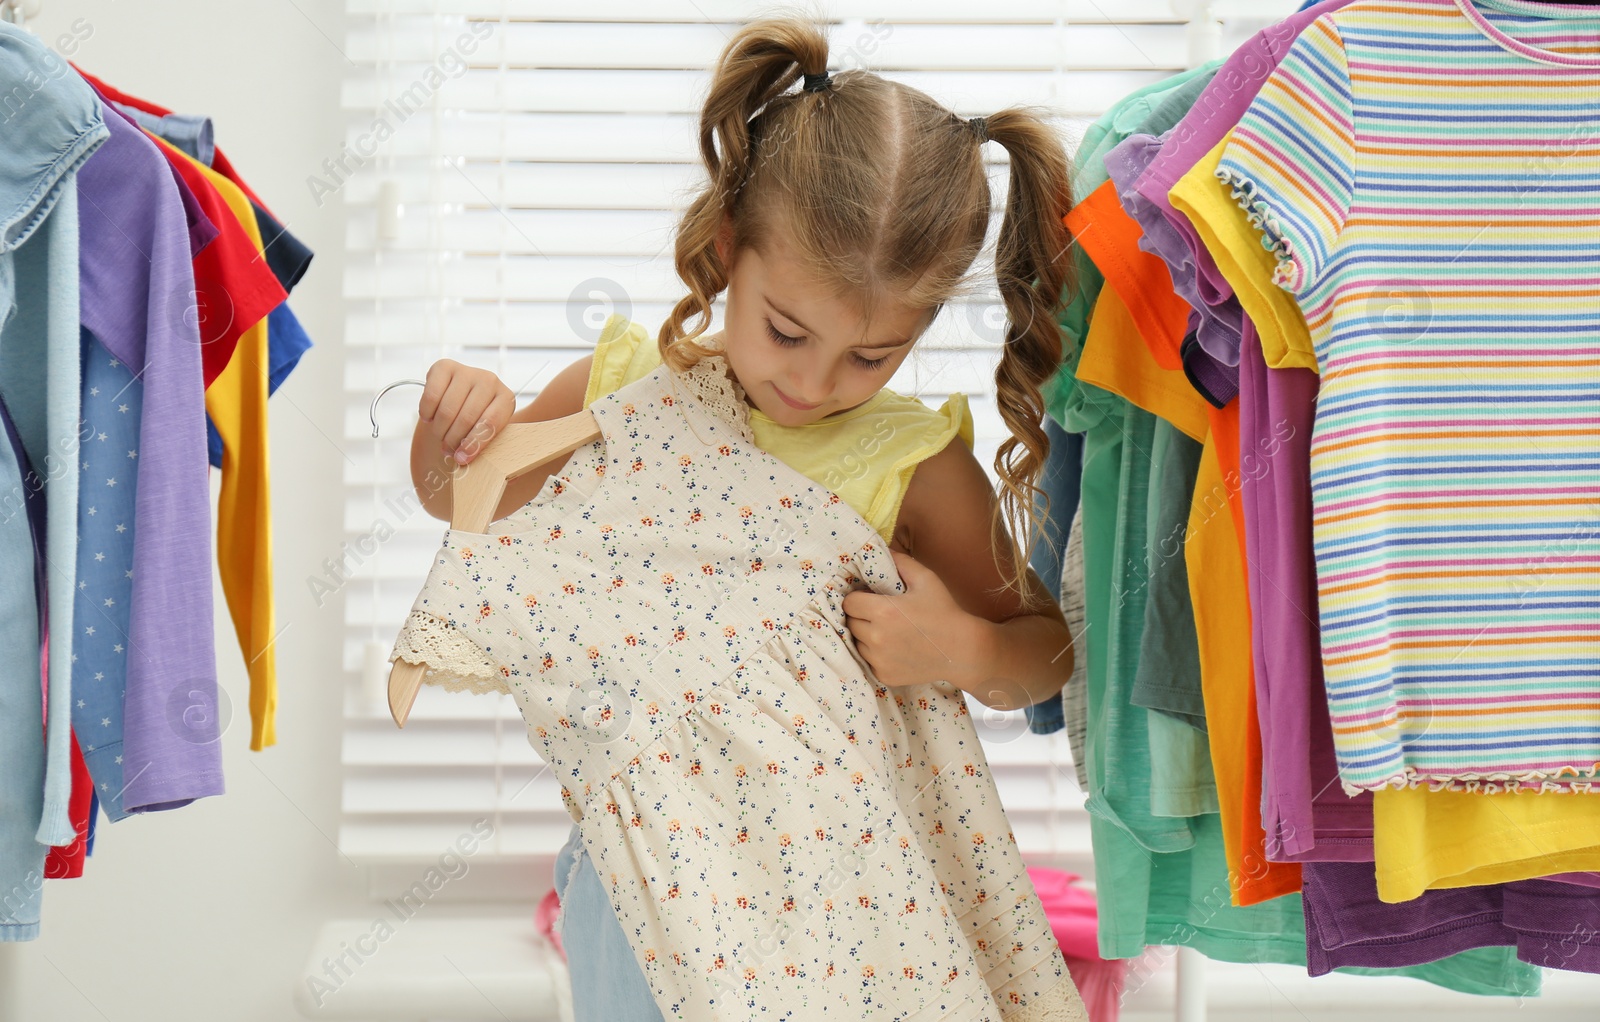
(980, 127)
(817, 83)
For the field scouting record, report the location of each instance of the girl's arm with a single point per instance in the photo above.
(465, 406)
(974, 633)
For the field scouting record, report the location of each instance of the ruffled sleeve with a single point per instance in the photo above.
(625, 352)
(454, 662)
(1290, 162)
(444, 629)
(927, 432)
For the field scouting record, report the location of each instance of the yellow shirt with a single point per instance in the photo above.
(1235, 246)
(866, 454)
(1422, 839)
(237, 404)
(1426, 839)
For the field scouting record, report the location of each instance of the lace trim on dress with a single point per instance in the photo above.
(715, 388)
(1062, 1003)
(455, 663)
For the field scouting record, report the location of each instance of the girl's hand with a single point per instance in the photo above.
(919, 636)
(464, 408)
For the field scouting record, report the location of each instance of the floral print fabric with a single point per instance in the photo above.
(781, 836)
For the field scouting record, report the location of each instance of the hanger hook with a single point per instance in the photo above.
(373, 411)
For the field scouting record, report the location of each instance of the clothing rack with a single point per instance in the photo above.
(1189, 994)
(272, 275)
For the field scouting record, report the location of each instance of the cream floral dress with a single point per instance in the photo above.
(782, 837)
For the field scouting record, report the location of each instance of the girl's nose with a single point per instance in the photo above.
(811, 389)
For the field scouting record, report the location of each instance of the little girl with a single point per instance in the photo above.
(838, 219)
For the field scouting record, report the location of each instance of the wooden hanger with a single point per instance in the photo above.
(475, 492)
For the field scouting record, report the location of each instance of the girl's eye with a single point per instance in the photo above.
(783, 339)
(788, 342)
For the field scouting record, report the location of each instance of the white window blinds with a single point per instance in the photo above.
(511, 174)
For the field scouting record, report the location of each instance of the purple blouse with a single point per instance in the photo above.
(135, 245)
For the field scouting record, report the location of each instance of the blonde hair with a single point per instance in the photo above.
(881, 193)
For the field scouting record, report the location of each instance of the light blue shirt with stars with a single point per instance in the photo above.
(107, 473)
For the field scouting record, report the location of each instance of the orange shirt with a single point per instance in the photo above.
(1130, 370)
(1212, 553)
(1111, 238)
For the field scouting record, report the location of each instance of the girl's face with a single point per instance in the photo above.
(799, 353)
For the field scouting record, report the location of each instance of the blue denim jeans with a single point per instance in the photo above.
(607, 983)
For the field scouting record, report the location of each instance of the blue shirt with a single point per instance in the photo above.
(113, 408)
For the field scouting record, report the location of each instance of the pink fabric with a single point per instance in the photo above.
(1071, 912)
(1070, 909)
(1099, 983)
(544, 919)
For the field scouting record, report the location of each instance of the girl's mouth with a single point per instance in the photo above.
(792, 403)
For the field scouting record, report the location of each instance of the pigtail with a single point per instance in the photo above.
(1033, 268)
(759, 64)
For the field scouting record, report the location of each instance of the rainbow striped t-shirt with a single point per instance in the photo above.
(1428, 174)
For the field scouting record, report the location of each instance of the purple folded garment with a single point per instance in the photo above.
(1556, 928)
(1346, 924)
(1552, 925)
(1217, 383)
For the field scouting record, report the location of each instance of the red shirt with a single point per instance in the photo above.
(63, 862)
(219, 163)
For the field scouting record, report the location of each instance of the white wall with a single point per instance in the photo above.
(208, 912)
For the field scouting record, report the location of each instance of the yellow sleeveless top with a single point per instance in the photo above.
(866, 454)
